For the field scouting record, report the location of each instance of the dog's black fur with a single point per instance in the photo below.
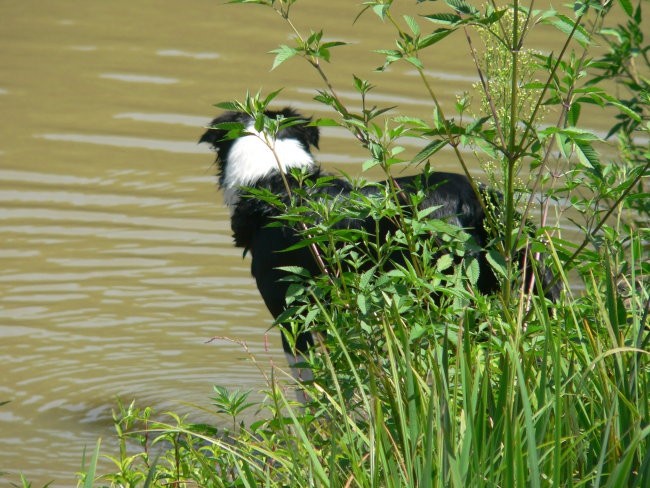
(452, 194)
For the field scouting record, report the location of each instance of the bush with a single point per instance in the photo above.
(419, 381)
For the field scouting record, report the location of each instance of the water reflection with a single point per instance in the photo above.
(133, 78)
(185, 54)
(181, 147)
(179, 119)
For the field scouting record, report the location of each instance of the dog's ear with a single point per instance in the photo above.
(216, 136)
(312, 134)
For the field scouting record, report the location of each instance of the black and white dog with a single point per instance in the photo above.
(249, 162)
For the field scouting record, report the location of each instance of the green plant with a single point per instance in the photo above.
(418, 380)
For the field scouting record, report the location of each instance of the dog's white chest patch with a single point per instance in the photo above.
(255, 156)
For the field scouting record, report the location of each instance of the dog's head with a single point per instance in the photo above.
(246, 159)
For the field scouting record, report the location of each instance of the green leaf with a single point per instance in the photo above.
(492, 18)
(234, 106)
(587, 155)
(364, 279)
(413, 25)
(444, 18)
(325, 122)
(497, 262)
(573, 114)
(380, 10)
(627, 6)
(576, 133)
(431, 148)
(430, 39)
(563, 144)
(233, 127)
(565, 25)
(462, 7)
(295, 270)
(414, 61)
(331, 44)
(614, 102)
(472, 270)
(361, 85)
(416, 332)
(444, 262)
(311, 315)
(314, 37)
(283, 53)
(361, 303)
(369, 163)
(263, 104)
(92, 467)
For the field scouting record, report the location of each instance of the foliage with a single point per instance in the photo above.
(418, 380)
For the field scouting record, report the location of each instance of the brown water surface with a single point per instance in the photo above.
(116, 263)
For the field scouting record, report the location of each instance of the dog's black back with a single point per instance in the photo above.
(452, 194)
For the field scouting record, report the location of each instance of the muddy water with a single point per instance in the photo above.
(116, 264)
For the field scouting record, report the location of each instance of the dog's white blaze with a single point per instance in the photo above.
(257, 155)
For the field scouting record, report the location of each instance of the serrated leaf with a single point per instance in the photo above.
(416, 332)
(444, 262)
(364, 279)
(430, 39)
(444, 18)
(414, 61)
(414, 121)
(431, 148)
(576, 133)
(425, 212)
(413, 25)
(461, 6)
(361, 303)
(573, 114)
(547, 131)
(472, 270)
(282, 54)
(587, 155)
(234, 106)
(621, 106)
(492, 18)
(564, 145)
(295, 270)
(311, 315)
(325, 122)
(476, 124)
(229, 126)
(497, 262)
(369, 163)
(565, 25)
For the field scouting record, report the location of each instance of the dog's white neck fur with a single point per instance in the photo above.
(257, 155)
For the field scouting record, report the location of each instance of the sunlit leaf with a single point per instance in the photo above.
(444, 18)
(282, 54)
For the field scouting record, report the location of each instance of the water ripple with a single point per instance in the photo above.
(182, 147)
(135, 78)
